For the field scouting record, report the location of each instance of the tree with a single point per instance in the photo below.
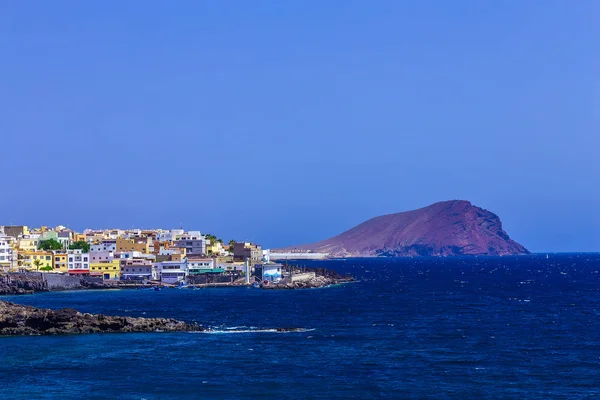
(38, 264)
(80, 245)
(46, 268)
(231, 244)
(210, 238)
(50, 244)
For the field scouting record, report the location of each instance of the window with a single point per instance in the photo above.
(48, 258)
(70, 259)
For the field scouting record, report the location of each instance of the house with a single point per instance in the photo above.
(6, 253)
(35, 260)
(106, 269)
(28, 243)
(64, 237)
(196, 266)
(136, 269)
(247, 251)
(78, 262)
(170, 271)
(102, 256)
(16, 231)
(104, 245)
(61, 263)
(192, 242)
(142, 245)
(216, 249)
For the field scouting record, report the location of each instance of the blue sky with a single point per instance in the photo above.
(288, 122)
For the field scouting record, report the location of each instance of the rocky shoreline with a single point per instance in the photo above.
(323, 278)
(27, 320)
(19, 320)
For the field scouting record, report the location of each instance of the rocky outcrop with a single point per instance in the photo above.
(26, 320)
(442, 229)
(323, 277)
(21, 284)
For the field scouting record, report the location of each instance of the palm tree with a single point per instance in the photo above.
(38, 264)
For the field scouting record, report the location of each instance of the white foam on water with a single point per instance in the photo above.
(269, 330)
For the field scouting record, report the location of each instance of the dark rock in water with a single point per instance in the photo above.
(26, 320)
(442, 229)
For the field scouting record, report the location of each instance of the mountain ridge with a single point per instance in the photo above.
(446, 228)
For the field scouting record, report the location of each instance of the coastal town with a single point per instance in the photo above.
(153, 256)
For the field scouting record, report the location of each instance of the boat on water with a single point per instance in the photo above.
(256, 285)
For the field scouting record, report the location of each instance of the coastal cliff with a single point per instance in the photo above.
(446, 228)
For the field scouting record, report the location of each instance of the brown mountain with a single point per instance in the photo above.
(442, 229)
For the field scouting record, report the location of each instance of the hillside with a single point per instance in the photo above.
(446, 228)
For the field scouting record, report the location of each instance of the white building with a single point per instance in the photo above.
(78, 262)
(101, 256)
(105, 245)
(138, 269)
(6, 252)
(197, 266)
(170, 271)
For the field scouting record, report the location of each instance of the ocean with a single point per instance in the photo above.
(480, 327)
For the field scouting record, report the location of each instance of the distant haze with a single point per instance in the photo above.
(288, 123)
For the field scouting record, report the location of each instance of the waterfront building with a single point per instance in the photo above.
(35, 260)
(170, 271)
(106, 269)
(269, 272)
(197, 266)
(78, 262)
(247, 251)
(6, 253)
(136, 269)
(61, 263)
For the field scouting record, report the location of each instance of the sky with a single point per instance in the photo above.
(288, 122)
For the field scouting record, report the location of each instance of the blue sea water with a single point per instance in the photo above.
(479, 327)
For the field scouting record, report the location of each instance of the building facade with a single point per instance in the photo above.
(6, 253)
(106, 269)
(78, 262)
(36, 260)
(247, 251)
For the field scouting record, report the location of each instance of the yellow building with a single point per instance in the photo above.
(35, 260)
(106, 269)
(60, 262)
(27, 244)
(215, 248)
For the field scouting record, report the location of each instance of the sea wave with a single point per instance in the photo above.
(256, 330)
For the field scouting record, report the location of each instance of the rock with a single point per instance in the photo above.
(26, 320)
(442, 229)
